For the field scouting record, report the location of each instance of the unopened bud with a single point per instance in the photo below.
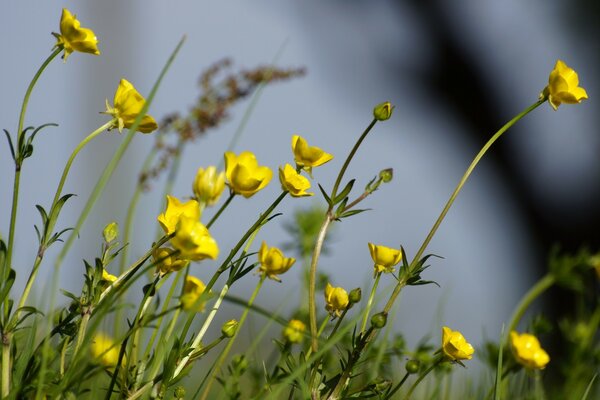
(240, 363)
(383, 111)
(381, 384)
(412, 366)
(379, 320)
(386, 175)
(110, 232)
(228, 329)
(354, 296)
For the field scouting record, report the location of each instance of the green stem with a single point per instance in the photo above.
(421, 377)
(398, 386)
(540, 287)
(223, 207)
(370, 302)
(312, 283)
(6, 364)
(338, 181)
(81, 332)
(457, 190)
(215, 369)
(18, 163)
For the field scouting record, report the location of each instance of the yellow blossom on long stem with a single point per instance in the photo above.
(193, 288)
(73, 37)
(168, 260)
(175, 210)
(454, 345)
(307, 156)
(528, 351)
(385, 258)
(563, 86)
(292, 182)
(244, 175)
(273, 262)
(128, 104)
(336, 300)
(193, 240)
(208, 185)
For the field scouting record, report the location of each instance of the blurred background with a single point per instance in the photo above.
(456, 72)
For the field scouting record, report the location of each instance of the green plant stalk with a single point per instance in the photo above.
(6, 363)
(112, 165)
(312, 305)
(52, 221)
(216, 367)
(422, 376)
(81, 332)
(370, 302)
(18, 163)
(221, 209)
(457, 190)
(533, 293)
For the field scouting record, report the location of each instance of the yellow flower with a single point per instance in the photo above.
(175, 209)
(293, 182)
(192, 290)
(307, 156)
(385, 258)
(244, 176)
(128, 104)
(272, 262)
(167, 261)
(336, 300)
(208, 185)
(528, 351)
(193, 240)
(563, 86)
(108, 277)
(73, 37)
(294, 331)
(105, 351)
(455, 346)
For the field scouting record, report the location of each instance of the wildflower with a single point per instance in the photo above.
(228, 328)
(73, 37)
(104, 350)
(294, 331)
(273, 262)
(108, 277)
(175, 209)
(192, 290)
(563, 86)
(167, 261)
(528, 351)
(244, 176)
(193, 240)
(454, 345)
(336, 300)
(128, 104)
(208, 185)
(383, 111)
(293, 182)
(307, 156)
(385, 258)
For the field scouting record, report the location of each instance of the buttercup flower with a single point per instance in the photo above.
(128, 104)
(293, 182)
(108, 277)
(192, 290)
(193, 240)
(244, 176)
(105, 351)
(176, 209)
(272, 262)
(73, 37)
(528, 351)
(563, 86)
(208, 185)
(454, 345)
(336, 300)
(168, 261)
(385, 258)
(307, 156)
(294, 331)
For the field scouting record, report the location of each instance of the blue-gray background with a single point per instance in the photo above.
(456, 71)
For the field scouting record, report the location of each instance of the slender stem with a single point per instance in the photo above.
(536, 290)
(312, 305)
(81, 332)
(338, 181)
(223, 207)
(370, 302)
(6, 364)
(398, 386)
(215, 369)
(18, 163)
(422, 376)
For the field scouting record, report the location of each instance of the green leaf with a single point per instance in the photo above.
(327, 199)
(344, 193)
(10, 145)
(7, 285)
(352, 212)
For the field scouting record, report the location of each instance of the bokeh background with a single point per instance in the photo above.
(456, 71)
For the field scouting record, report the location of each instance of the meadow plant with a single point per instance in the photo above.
(331, 347)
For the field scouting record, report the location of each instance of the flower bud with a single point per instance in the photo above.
(412, 366)
(240, 363)
(383, 111)
(110, 232)
(228, 329)
(379, 320)
(386, 175)
(354, 296)
(381, 384)
(179, 392)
